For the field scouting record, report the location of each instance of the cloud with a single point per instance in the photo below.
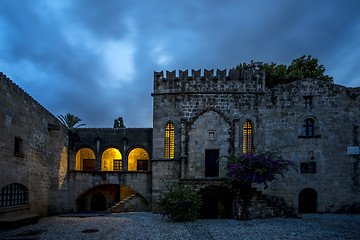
(119, 62)
(96, 59)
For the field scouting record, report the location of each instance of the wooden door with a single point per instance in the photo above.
(211, 163)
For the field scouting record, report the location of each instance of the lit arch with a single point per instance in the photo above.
(248, 145)
(111, 160)
(138, 160)
(169, 141)
(85, 160)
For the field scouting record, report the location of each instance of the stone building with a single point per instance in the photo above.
(310, 122)
(48, 169)
(33, 157)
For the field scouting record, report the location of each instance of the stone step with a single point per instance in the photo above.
(121, 206)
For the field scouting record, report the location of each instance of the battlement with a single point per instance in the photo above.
(8, 85)
(235, 81)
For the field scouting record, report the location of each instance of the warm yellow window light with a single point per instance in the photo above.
(248, 138)
(169, 141)
(138, 160)
(111, 160)
(84, 154)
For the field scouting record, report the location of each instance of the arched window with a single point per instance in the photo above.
(85, 160)
(169, 141)
(111, 160)
(14, 194)
(308, 127)
(248, 138)
(138, 160)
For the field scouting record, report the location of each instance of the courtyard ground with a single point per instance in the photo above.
(144, 225)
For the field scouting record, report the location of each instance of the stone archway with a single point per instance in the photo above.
(106, 197)
(308, 201)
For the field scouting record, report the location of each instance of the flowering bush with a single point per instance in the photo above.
(255, 168)
(180, 204)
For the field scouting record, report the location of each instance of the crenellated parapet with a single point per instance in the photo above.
(235, 81)
(8, 85)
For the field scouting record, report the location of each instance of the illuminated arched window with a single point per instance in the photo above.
(14, 194)
(138, 160)
(169, 141)
(308, 127)
(248, 138)
(85, 160)
(111, 160)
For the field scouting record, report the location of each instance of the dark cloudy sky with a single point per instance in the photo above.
(95, 58)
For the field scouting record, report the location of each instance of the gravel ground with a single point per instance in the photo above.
(143, 225)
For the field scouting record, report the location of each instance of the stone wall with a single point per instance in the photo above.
(335, 110)
(38, 159)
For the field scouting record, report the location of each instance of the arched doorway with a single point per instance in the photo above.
(307, 201)
(98, 202)
(103, 197)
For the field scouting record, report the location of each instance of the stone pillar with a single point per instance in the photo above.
(183, 156)
(125, 157)
(97, 155)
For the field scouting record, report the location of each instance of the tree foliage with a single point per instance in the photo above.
(245, 169)
(255, 168)
(300, 68)
(180, 204)
(119, 123)
(70, 120)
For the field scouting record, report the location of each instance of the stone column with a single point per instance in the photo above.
(125, 157)
(183, 156)
(97, 156)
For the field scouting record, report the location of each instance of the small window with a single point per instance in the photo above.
(18, 149)
(307, 101)
(14, 194)
(117, 165)
(308, 167)
(211, 135)
(169, 141)
(308, 127)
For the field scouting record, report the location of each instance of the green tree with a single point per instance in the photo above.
(119, 123)
(300, 68)
(70, 120)
(180, 204)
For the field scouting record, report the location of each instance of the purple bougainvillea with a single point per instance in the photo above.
(255, 168)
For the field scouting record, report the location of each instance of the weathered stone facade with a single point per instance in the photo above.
(199, 105)
(310, 122)
(33, 154)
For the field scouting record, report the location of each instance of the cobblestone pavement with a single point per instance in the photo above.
(152, 226)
